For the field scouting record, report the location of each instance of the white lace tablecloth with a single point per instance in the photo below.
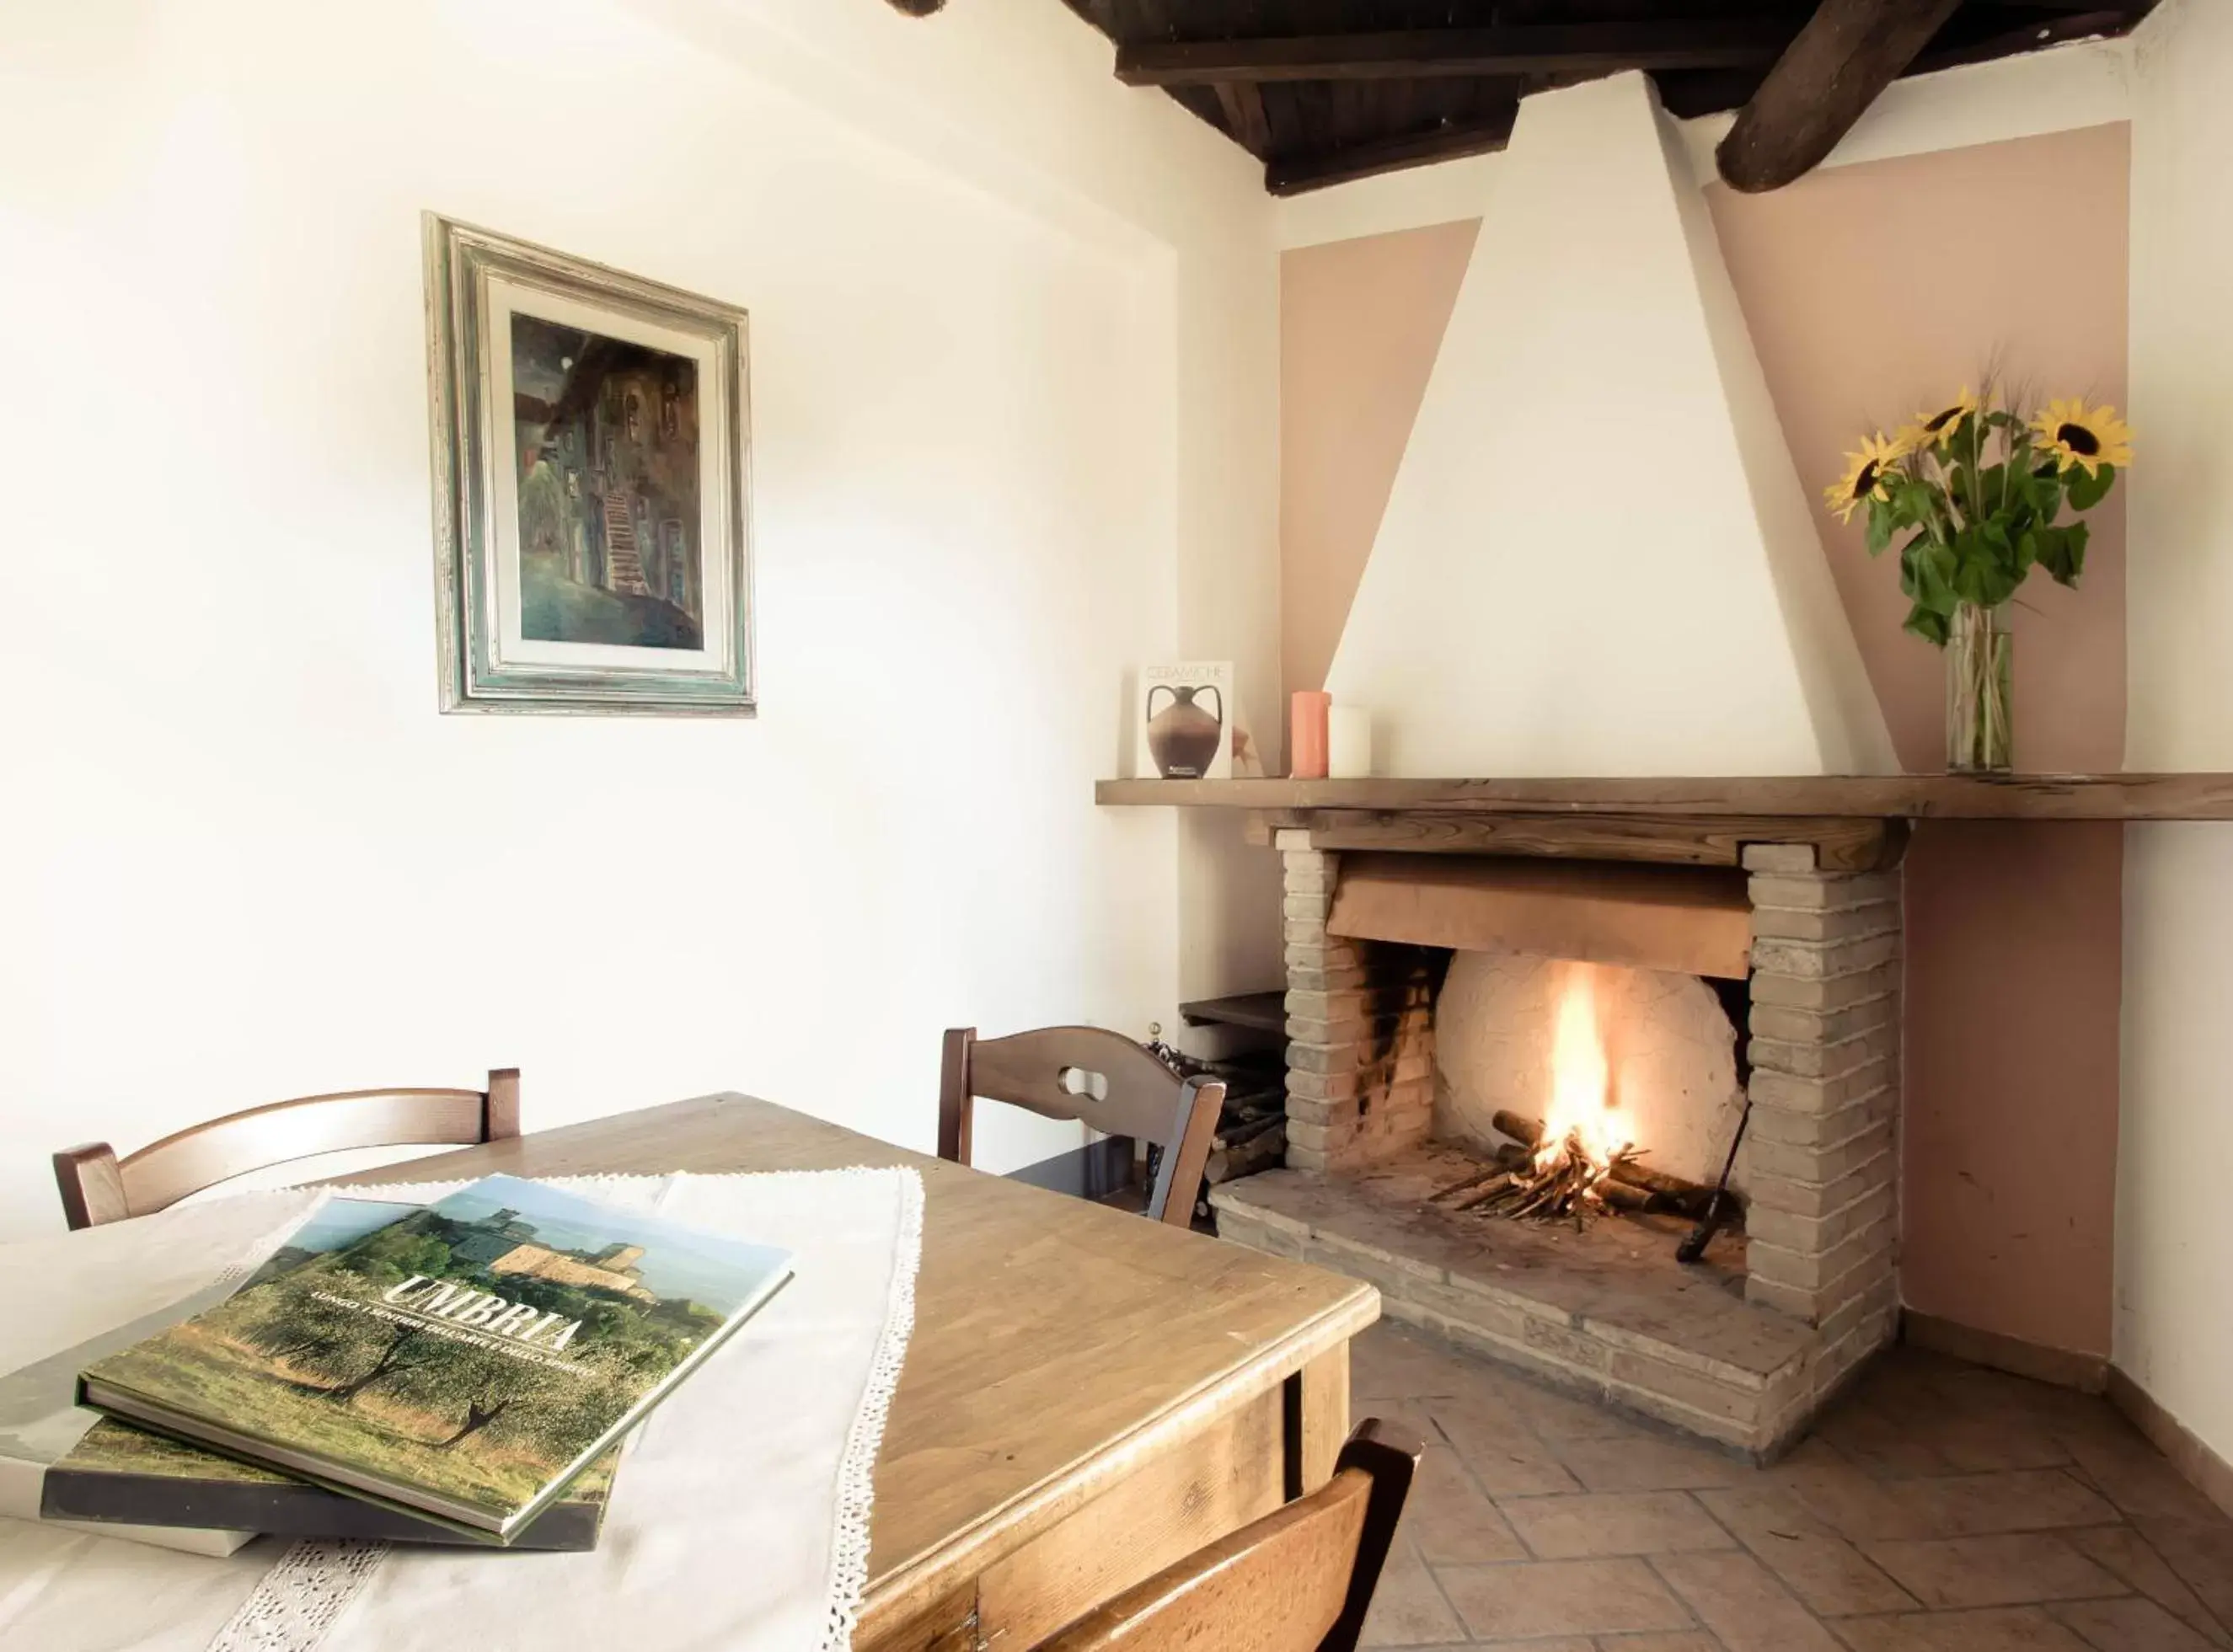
(739, 1519)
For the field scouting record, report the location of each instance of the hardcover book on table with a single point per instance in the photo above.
(119, 1474)
(42, 1423)
(464, 1363)
(61, 1463)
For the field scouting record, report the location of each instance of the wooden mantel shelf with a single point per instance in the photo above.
(1851, 823)
(1920, 796)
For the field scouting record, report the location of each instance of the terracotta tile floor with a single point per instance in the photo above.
(1939, 1508)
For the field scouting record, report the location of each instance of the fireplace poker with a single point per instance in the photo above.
(1718, 1207)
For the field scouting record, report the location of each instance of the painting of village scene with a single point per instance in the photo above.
(607, 438)
(592, 463)
(347, 1343)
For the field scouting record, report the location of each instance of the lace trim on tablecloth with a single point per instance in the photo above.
(301, 1597)
(857, 1473)
(297, 1603)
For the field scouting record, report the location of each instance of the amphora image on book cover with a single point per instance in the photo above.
(1187, 721)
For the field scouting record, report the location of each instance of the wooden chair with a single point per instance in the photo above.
(1095, 1076)
(1300, 1580)
(97, 1186)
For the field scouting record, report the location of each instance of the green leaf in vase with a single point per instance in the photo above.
(1881, 526)
(2086, 492)
(1934, 566)
(1931, 628)
(2077, 534)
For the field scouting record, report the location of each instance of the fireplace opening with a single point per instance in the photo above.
(1593, 1089)
(1575, 1045)
(1699, 1063)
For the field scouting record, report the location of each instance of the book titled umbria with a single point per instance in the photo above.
(464, 1363)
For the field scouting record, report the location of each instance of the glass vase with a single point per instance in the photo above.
(1979, 737)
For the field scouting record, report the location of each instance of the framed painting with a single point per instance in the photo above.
(591, 448)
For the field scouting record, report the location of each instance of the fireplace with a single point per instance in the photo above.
(1642, 1007)
(1440, 948)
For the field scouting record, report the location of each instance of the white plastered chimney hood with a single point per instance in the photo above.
(1598, 557)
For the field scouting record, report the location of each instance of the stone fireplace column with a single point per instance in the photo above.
(1822, 1152)
(1360, 1030)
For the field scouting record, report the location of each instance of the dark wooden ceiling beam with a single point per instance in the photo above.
(2033, 36)
(1377, 155)
(1848, 52)
(1242, 102)
(1429, 53)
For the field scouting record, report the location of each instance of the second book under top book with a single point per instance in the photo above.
(465, 1362)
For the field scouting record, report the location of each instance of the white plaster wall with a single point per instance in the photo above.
(2173, 1331)
(1014, 388)
(2180, 708)
(2173, 1327)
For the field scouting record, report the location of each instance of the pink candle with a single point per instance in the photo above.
(1306, 734)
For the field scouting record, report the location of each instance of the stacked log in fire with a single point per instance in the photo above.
(1567, 1180)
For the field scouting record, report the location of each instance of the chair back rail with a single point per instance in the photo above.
(1299, 1580)
(99, 1187)
(1096, 1077)
(1025, 1069)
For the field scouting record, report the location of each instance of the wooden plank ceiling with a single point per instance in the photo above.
(1324, 91)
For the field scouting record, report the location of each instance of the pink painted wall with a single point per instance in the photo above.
(2015, 982)
(1359, 324)
(1873, 291)
(1870, 291)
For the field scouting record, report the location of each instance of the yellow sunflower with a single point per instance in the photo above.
(2088, 439)
(1865, 472)
(1932, 426)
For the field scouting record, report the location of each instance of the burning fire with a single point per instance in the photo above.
(1580, 1114)
(1583, 1162)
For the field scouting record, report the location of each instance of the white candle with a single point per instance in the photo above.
(1348, 743)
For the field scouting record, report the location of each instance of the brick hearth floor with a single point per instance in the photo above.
(1939, 1507)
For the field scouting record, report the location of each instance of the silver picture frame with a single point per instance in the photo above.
(620, 601)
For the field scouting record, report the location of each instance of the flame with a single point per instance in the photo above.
(1580, 1107)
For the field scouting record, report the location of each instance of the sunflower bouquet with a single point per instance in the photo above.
(1979, 491)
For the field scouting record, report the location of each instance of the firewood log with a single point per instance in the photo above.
(1621, 1196)
(1527, 1131)
(1675, 1192)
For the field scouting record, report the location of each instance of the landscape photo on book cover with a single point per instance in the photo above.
(474, 1349)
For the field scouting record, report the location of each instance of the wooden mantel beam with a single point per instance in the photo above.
(1839, 844)
(1913, 796)
(1849, 51)
(1422, 54)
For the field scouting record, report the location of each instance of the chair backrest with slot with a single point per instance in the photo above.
(1299, 1580)
(98, 1186)
(1096, 1077)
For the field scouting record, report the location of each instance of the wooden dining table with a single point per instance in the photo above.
(1087, 1396)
